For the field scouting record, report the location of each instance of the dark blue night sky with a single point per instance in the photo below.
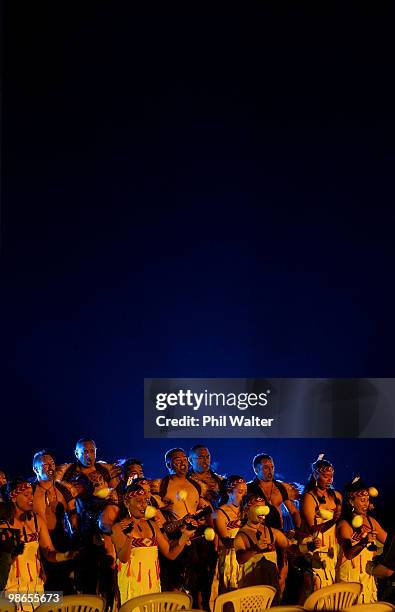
(190, 193)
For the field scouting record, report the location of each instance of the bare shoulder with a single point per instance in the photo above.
(344, 530)
(217, 514)
(308, 499)
(344, 526)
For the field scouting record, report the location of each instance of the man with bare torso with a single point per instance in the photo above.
(180, 498)
(273, 491)
(211, 485)
(53, 501)
(178, 494)
(275, 494)
(94, 486)
(209, 481)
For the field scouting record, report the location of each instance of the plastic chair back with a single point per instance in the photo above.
(7, 606)
(378, 606)
(334, 597)
(158, 602)
(247, 599)
(75, 603)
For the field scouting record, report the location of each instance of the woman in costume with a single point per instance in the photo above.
(29, 536)
(227, 523)
(255, 546)
(320, 511)
(357, 533)
(137, 540)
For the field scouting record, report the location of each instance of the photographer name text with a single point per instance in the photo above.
(213, 421)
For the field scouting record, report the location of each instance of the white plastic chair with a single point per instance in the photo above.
(6, 606)
(75, 603)
(247, 599)
(158, 602)
(334, 597)
(288, 608)
(377, 606)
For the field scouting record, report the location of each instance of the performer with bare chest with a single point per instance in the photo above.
(201, 471)
(52, 501)
(357, 533)
(180, 496)
(275, 494)
(273, 491)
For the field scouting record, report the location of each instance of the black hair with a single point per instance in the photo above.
(312, 482)
(128, 462)
(171, 452)
(9, 507)
(259, 458)
(247, 499)
(196, 447)
(225, 488)
(82, 441)
(39, 454)
(347, 508)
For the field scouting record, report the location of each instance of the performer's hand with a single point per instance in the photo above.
(372, 536)
(126, 522)
(186, 535)
(71, 554)
(66, 556)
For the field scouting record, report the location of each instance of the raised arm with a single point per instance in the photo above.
(122, 543)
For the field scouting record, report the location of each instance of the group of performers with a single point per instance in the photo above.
(96, 527)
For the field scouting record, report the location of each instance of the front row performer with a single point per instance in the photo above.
(255, 545)
(25, 572)
(136, 542)
(357, 533)
(228, 521)
(320, 511)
